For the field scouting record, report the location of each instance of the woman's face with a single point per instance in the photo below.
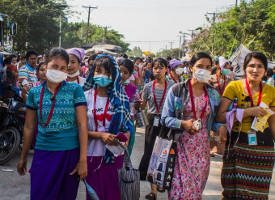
(13, 60)
(227, 66)
(203, 63)
(159, 70)
(73, 64)
(100, 70)
(255, 70)
(42, 72)
(124, 73)
(57, 63)
(149, 66)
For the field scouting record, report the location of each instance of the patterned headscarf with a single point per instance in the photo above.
(121, 120)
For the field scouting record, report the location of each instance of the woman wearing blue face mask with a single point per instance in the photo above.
(61, 147)
(109, 120)
(189, 109)
(219, 81)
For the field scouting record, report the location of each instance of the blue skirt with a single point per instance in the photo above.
(50, 175)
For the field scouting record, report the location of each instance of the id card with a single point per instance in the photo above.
(252, 138)
(156, 121)
(198, 124)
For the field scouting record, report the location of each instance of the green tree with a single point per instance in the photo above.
(135, 52)
(37, 20)
(251, 24)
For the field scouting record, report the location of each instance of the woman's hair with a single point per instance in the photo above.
(161, 61)
(136, 59)
(199, 55)
(106, 63)
(128, 64)
(92, 57)
(257, 55)
(269, 72)
(59, 53)
(39, 66)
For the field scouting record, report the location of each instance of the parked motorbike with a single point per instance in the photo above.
(12, 119)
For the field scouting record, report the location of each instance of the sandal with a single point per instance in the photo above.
(161, 190)
(151, 196)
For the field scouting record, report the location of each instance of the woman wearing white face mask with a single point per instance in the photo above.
(189, 109)
(76, 56)
(61, 146)
(176, 72)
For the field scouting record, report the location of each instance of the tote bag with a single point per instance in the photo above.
(162, 162)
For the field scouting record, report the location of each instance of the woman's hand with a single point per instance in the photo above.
(137, 105)
(189, 126)
(222, 132)
(109, 138)
(257, 111)
(81, 169)
(22, 167)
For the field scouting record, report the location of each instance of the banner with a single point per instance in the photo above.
(237, 59)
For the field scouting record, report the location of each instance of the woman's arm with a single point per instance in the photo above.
(29, 127)
(81, 118)
(248, 112)
(271, 122)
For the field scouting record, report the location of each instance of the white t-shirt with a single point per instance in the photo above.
(81, 81)
(96, 147)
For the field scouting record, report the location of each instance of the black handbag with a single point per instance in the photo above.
(129, 179)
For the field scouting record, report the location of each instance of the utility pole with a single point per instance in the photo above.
(180, 46)
(60, 30)
(88, 20)
(192, 33)
(171, 43)
(184, 41)
(214, 17)
(105, 34)
(236, 3)
(82, 30)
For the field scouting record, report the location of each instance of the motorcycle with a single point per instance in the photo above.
(12, 119)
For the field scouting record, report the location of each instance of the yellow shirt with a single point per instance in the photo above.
(236, 89)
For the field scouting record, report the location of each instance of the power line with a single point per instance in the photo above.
(89, 7)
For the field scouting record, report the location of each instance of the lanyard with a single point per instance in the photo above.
(163, 95)
(40, 105)
(105, 111)
(221, 90)
(174, 78)
(192, 102)
(76, 79)
(250, 95)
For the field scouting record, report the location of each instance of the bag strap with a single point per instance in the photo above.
(126, 160)
(164, 131)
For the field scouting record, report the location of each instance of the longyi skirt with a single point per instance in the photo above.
(50, 175)
(247, 170)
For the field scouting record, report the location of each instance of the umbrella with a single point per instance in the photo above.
(90, 191)
(148, 53)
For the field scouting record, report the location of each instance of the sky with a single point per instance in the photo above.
(153, 25)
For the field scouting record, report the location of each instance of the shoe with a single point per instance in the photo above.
(161, 190)
(151, 196)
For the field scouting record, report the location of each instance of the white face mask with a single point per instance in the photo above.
(179, 71)
(55, 76)
(202, 75)
(74, 75)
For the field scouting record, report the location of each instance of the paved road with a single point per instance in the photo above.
(14, 187)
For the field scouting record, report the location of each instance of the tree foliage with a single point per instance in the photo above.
(174, 53)
(252, 24)
(135, 52)
(38, 26)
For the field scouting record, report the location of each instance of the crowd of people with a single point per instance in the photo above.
(79, 107)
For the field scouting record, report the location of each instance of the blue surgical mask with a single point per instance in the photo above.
(126, 82)
(225, 71)
(102, 80)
